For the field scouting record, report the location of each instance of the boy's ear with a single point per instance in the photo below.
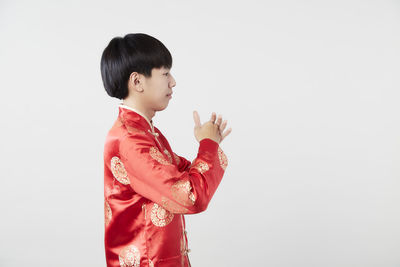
(134, 78)
(135, 81)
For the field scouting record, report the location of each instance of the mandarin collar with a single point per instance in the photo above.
(133, 115)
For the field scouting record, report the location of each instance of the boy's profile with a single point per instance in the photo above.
(148, 187)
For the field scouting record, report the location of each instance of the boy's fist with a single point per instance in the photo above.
(212, 128)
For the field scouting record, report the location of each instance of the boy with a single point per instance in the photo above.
(147, 187)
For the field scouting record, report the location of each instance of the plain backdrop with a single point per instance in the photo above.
(310, 89)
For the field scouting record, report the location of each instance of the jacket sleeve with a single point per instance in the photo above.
(182, 163)
(185, 190)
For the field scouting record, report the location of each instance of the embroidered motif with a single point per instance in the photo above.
(192, 198)
(118, 170)
(201, 166)
(157, 155)
(129, 256)
(166, 152)
(159, 216)
(172, 206)
(107, 213)
(223, 160)
(177, 159)
(181, 192)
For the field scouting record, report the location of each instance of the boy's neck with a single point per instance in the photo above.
(148, 113)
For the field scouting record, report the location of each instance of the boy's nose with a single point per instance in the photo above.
(173, 82)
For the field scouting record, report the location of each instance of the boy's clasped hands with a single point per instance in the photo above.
(213, 128)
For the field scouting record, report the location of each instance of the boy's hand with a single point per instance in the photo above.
(212, 129)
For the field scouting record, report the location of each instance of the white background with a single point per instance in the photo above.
(310, 89)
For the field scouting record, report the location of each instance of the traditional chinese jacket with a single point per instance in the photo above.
(147, 190)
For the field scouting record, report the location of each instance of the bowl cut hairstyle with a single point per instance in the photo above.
(135, 52)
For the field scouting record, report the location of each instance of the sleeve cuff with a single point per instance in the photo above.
(208, 144)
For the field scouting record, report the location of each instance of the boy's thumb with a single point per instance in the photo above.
(196, 118)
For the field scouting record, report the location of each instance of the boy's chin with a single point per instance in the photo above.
(160, 108)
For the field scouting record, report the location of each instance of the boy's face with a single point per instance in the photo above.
(157, 88)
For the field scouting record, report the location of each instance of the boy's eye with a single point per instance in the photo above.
(166, 74)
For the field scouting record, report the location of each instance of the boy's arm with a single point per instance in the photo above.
(150, 174)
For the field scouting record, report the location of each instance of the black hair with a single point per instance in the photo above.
(135, 52)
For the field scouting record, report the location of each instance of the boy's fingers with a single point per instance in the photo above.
(218, 121)
(196, 119)
(223, 125)
(213, 117)
(226, 133)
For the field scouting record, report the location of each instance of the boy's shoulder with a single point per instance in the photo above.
(120, 131)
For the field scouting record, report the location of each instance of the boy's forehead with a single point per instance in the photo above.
(161, 69)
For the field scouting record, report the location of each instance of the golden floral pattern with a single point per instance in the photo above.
(118, 170)
(177, 159)
(181, 192)
(192, 198)
(129, 256)
(157, 155)
(107, 213)
(159, 216)
(166, 152)
(172, 206)
(201, 166)
(223, 160)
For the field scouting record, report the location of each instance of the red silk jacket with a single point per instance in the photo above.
(148, 189)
